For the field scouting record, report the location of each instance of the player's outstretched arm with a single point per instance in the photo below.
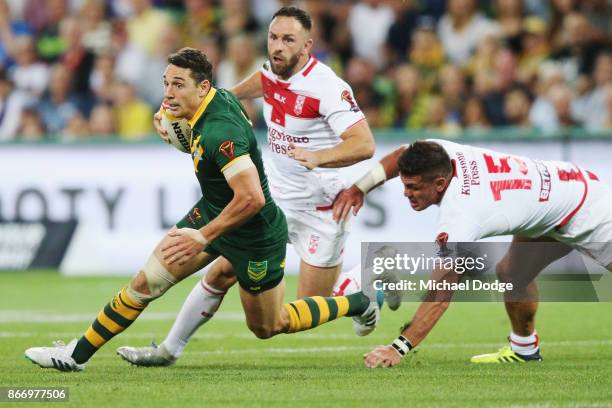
(352, 197)
(357, 145)
(249, 88)
(248, 199)
(425, 318)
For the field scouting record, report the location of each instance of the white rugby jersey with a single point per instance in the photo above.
(311, 109)
(493, 193)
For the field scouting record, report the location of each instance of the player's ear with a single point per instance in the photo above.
(440, 182)
(204, 88)
(308, 46)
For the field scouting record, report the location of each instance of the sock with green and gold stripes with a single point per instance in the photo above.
(313, 311)
(116, 316)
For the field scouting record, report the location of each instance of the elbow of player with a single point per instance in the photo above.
(253, 203)
(368, 149)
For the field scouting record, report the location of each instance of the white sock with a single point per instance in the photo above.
(348, 282)
(524, 345)
(199, 307)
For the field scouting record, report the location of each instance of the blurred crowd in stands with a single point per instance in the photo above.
(71, 69)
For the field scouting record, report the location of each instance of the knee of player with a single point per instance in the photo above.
(502, 270)
(151, 282)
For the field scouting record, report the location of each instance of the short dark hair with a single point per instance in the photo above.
(195, 60)
(426, 159)
(300, 15)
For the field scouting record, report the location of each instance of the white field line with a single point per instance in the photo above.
(34, 316)
(302, 336)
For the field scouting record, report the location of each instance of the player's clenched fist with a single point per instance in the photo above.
(382, 356)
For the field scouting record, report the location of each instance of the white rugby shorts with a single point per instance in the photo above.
(316, 237)
(590, 229)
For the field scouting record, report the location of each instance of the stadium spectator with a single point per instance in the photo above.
(145, 25)
(49, 44)
(32, 128)
(509, 14)
(129, 58)
(9, 29)
(102, 121)
(560, 96)
(534, 49)
(426, 52)
(517, 104)
(59, 104)
(437, 117)
(78, 60)
(473, 116)
(242, 59)
(453, 90)
(411, 98)
(236, 18)
(148, 86)
(28, 74)
(591, 108)
(462, 28)
(77, 128)
(369, 22)
(101, 78)
(504, 78)
(400, 34)
(201, 18)
(599, 14)
(96, 28)
(12, 103)
(542, 114)
(133, 116)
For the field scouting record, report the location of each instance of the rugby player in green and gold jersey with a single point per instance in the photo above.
(235, 220)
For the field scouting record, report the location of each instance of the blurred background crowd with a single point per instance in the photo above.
(74, 69)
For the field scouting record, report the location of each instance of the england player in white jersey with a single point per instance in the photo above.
(314, 128)
(482, 193)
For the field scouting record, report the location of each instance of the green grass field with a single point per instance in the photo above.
(226, 365)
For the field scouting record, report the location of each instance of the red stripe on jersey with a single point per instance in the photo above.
(286, 102)
(592, 176)
(360, 120)
(573, 176)
(312, 64)
(454, 164)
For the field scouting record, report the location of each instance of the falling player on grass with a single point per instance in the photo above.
(236, 218)
(482, 193)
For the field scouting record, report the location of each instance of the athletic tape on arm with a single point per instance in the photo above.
(237, 165)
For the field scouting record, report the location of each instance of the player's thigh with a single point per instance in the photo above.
(526, 258)
(264, 310)
(316, 280)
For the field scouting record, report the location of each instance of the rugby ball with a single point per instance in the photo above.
(179, 132)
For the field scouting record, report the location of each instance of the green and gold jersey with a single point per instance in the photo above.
(222, 134)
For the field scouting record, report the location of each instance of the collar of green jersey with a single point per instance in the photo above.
(203, 105)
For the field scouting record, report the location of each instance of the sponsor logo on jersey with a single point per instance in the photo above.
(475, 181)
(280, 98)
(257, 270)
(465, 172)
(313, 244)
(346, 96)
(299, 104)
(194, 216)
(227, 149)
(545, 180)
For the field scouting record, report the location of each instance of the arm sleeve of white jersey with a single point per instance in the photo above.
(338, 106)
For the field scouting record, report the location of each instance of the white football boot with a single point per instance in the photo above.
(59, 356)
(151, 356)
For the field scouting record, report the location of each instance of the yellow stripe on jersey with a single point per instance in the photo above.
(211, 94)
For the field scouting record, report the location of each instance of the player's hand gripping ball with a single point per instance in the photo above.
(179, 132)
